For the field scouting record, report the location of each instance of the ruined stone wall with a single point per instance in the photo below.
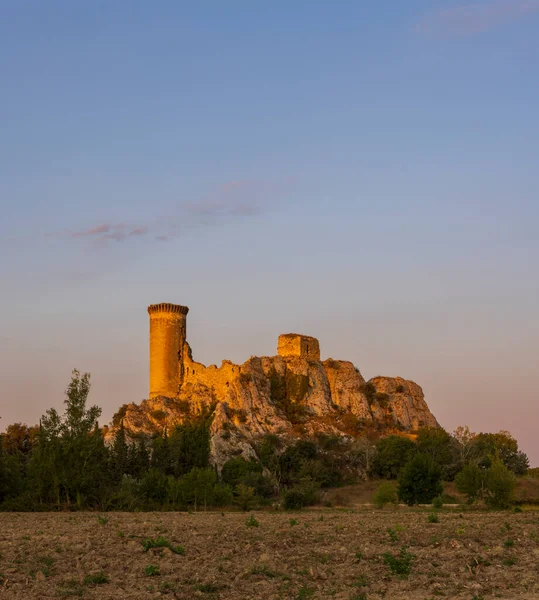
(167, 337)
(294, 344)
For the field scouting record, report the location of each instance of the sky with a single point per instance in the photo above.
(363, 172)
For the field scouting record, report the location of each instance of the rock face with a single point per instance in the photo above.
(291, 395)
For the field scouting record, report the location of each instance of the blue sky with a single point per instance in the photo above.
(362, 172)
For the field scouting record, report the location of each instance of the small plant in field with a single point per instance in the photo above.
(476, 563)
(359, 555)
(362, 596)
(509, 543)
(96, 579)
(461, 530)
(517, 509)
(208, 588)
(263, 570)
(69, 588)
(433, 518)
(161, 542)
(361, 581)
(509, 561)
(305, 592)
(506, 526)
(392, 533)
(151, 571)
(476, 597)
(293, 522)
(102, 520)
(400, 564)
(252, 522)
(437, 502)
(120, 534)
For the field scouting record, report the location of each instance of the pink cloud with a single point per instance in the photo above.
(475, 18)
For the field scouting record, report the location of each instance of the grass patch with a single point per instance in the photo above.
(96, 579)
(152, 571)
(400, 564)
(161, 542)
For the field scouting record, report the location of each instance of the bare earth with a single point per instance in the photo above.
(311, 554)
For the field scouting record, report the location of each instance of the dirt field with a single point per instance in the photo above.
(297, 556)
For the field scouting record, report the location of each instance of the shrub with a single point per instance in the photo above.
(245, 497)
(401, 564)
(433, 518)
(303, 494)
(437, 502)
(151, 571)
(252, 522)
(385, 494)
(420, 481)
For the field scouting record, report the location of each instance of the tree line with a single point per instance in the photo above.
(64, 463)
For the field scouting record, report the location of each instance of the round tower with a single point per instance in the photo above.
(167, 336)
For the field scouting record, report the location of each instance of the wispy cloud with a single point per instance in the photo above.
(228, 202)
(470, 19)
(111, 232)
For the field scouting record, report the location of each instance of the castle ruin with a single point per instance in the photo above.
(171, 363)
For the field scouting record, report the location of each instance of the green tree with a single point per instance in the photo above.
(190, 446)
(162, 454)
(441, 447)
(420, 480)
(500, 484)
(196, 488)
(119, 454)
(392, 453)
(70, 463)
(502, 444)
(471, 481)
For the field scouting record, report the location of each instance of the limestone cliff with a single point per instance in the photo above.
(292, 395)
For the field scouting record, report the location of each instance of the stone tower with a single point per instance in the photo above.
(167, 337)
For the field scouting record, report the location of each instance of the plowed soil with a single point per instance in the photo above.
(270, 555)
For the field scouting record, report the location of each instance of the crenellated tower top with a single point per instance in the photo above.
(167, 307)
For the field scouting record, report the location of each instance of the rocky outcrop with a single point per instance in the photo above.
(290, 396)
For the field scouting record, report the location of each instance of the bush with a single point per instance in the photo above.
(438, 502)
(385, 494)
(245, 497)
(303, 494)
(420, 481)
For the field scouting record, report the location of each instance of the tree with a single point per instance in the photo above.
(485, 446)
(162, 454)
(471, 481)
(392, 453)
(464, 438)
(500, 484)
(119, 454)
(236, 469)
(190, 446)
(70, 462)
(420, 480)
(441, 447)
